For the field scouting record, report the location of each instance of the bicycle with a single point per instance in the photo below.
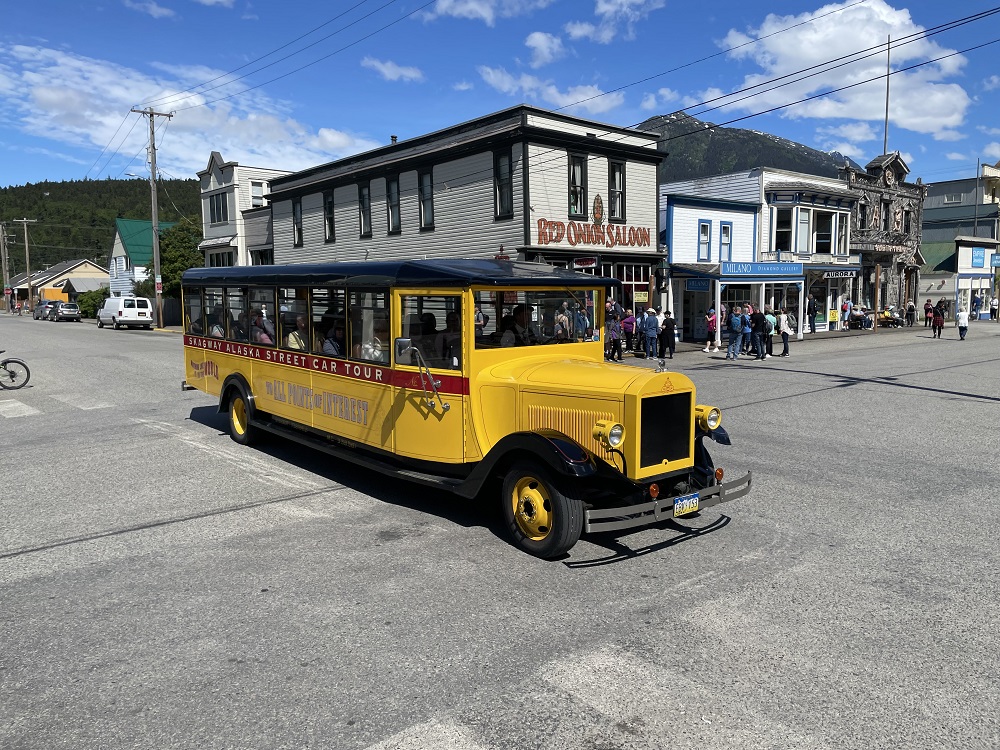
(14, 373)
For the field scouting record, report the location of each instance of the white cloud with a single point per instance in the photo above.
(71, 101)
(587, 98)
(614, 18)
(991, 83)
(955, 156)
(485, 10)
(150, 7)
(920, 100)
(462, 86)
(992, 150)
(661, 98)
(856, 132)
(223, 3)
(988, 130)
(907, 157)
(390, 71)
(545, 48)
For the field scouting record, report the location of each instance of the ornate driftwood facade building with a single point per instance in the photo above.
(886, 223)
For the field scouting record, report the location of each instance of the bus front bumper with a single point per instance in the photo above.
(665, 508)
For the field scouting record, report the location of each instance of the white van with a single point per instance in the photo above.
(126, 311)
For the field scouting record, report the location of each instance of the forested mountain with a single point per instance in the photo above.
(700, 149)
(76, 219)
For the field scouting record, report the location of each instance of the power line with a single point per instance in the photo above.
(173, 98)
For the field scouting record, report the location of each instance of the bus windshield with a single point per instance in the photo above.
(532, 316)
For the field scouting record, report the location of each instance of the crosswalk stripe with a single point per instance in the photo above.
(80, 401)
(9, 409)
(432, 735)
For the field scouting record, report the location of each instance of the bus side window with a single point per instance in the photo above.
(193, 322)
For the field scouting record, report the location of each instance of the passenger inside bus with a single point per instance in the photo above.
(261, 329)
(218, 329)
(240, 328)
(335, 341)
(448, 343)
(522, 333)
(299, 337)
(376, 347)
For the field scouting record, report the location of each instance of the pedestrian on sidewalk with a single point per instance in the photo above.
(613, 333)
(928, 313)
(735, 327)
(758, 324)
(911, 314)
(628, 328)
(711, 321)
(845, 310)
(785, 329)
(669, 335)
(769, 331)
(651, 327)
(994, 308)
(937, 321)
(812, 310)
(962, 318)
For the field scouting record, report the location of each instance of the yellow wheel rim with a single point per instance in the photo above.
(239, 416)
(532, 508)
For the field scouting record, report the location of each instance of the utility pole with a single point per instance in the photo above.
(27, 257)
(885, 136)
(3, 262)
(158, 280)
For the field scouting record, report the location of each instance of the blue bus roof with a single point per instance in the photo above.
(402, 273)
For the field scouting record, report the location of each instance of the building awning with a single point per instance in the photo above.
(755, 273)
(217, 242)
(84, 284)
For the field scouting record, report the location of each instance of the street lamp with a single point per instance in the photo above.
(157, 280)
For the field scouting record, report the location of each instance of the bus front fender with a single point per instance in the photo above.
(555, 450)
(233, 384)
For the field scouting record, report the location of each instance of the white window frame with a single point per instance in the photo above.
(725, 243)
(704, 241)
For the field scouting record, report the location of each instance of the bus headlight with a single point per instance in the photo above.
(709, 417)
(609, 434)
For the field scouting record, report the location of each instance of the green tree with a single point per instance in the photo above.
(90, 302)
(179, 252)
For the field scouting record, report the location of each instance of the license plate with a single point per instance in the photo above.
(685, 504)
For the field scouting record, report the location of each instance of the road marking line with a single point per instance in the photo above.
(432, 735)
(10, 409)
(251, 464)
(80, 401)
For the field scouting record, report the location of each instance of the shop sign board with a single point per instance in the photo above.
(641, 297)
(761, 269)
(839, 274)
(576, 233)
(584, 262)
(978, 257)
(995, 260)
(698, 285)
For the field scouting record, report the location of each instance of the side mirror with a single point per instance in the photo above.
(403, 346)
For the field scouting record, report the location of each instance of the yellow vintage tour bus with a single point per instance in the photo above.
(461, 375)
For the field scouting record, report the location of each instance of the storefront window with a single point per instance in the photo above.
(783, 230)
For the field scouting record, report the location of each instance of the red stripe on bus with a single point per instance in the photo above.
(367, 371)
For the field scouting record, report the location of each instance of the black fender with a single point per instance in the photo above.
(563, 455)
(704, 466)
(238, 383)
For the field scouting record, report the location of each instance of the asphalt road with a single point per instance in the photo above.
(162, 587)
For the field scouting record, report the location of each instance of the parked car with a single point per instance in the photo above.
(126, 311)
(65, 311)
(41, 310)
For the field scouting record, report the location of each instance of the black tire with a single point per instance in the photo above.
(240, 428)
(545, 518)
(14, 374)
(100, 323)
(114, 324)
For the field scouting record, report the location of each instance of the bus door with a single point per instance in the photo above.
(430, 426)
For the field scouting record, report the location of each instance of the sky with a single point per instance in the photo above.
(294, 84)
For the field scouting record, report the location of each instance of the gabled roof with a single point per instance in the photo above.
(40, 278)
(880, 162)
(137, 238)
